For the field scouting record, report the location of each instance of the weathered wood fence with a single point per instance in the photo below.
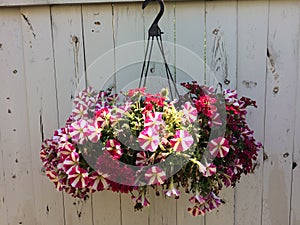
(44, 50)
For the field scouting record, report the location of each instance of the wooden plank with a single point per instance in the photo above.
(69, 65)
(251, 70)
(295, 196)
(15, 134)
(189, 41)
(3, 209)
(162, 210)
(98, 33)
(129, 37)
(221, 24)
(280, 110)
(51, 2)
(42, 106)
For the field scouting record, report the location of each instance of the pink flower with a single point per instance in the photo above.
(172, 191)
(154, 120)
(215, 120)
(155, 175)
(219, 147)
(197, 210)
(79, 178)
(141, 159)
(182, 141)
(98, 181)
(211, 169)
(114, 148)
(80, 112)
(94, 132)
(79, 131)
(149, 139)
(190, 112)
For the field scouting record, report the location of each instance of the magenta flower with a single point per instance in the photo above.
(53, 176)
(149, 139)
(71, 161)
(219, 147)
(114, 148)
(155, 175)
(141, 198)
(182, 141)
(79, 131)
(98, 181)
(66, 150)
(141, 159)
(154, 120)
(79, 178)
(190, 112)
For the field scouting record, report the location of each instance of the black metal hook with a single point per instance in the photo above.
(154, 30)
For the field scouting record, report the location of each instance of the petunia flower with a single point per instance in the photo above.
(80, 112)
(154, 120)
(172, 191)
(79, 131)
(114, 148)
(149, 139)
(94, 132)
(219, 147)
(210, 170)
(190, 112)
(182, 141)
(71, 161)
(141, 198)
(53, 176)
(215, 120)
(155, 176)
(98, 181)
(79, 177)
(66, 150)
(141, 159)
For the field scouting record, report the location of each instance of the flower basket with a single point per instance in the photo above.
(130, 142)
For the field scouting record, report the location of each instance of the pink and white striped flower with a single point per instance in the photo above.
(141, 159)
(219, 147)
(114, 148)
(80, 112)
(149, 139)
(79, 131)
(94, 132)
(210, 170)
(182, 141)
(190, 112)
(215, 120)
(154, 120)
(98, 181)
(172, 191)
(155, 176)
(79, 177)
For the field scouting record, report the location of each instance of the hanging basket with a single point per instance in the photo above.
(129, 142)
